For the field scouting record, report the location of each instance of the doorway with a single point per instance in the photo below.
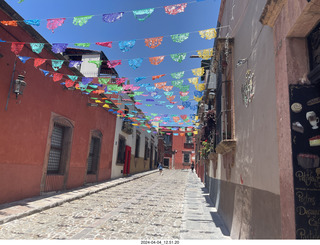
(166, 162)
(127, 159)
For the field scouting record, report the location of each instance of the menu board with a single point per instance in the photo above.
(305, 135)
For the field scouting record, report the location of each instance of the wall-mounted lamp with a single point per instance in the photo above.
(19, 85)
(241, 62)
(211, 94)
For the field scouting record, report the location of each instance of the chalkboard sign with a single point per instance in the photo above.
(305, 135)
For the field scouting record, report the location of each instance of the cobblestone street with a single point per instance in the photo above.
(152, 207)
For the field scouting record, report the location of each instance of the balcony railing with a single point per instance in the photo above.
(127, 127)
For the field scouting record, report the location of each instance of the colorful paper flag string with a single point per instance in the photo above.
(103, 80)
(59, 47)
(16, 47)
(184, 98)
(205, 53)
(9, 22)
(34, 22)
(113, 63)
(158, 76)
(167, 88)
(57, 76)
(208, 34)
(184, 93)
(153, 42)
(73, 78)
(81, 20)
(184, 88)
(178, 57)
(105, 44)
(23, 59)
(69, 83)
(142, 14)
(56, 64)
(179, 38)
(160, 85)
(198, 72)
(194, 80)
(175, 9)
(52, 24)
(200, 87)
(135, 63)
(74, 63)
(138, 79)
(177, 75)
(110, 18)
(96, 62)
(156, 60)
(38, 62)
(177, 83)
(125, 46)
(85, 45)
(37, 47)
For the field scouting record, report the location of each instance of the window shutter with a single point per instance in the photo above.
(56, 149)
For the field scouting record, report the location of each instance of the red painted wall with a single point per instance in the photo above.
(24, 126)
(178, 146)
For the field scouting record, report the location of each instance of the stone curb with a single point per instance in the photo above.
(61, 198)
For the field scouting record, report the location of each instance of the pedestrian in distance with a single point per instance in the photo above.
(160, 168)
(192, 167)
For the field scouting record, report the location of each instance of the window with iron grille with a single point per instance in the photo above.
(186, 157)
(137, 145)
(121, 149)
(189, 139)
(93, 158)
(146, 149)
(223, 107)
(55, 154)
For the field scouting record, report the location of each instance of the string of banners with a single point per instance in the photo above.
(140, 15)
(117, 85)
(124, 46)
(56, 64)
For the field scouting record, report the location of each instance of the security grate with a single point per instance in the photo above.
(56, 149)
(93, 157)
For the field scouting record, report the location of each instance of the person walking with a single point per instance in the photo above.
(160, 168)
(192, 167)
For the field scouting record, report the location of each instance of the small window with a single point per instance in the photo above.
(167, 139)
(189, 139)
(93, 158)
(186, 157)
(137, 145)
(121, 149)
(55, 154)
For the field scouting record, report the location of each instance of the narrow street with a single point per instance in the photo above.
(171, 206)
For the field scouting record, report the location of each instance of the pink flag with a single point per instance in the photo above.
(175, 9)
(113, 63)
(54, 23)
(105, 44)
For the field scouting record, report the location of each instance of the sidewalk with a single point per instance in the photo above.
(25, 207)
(201, 220)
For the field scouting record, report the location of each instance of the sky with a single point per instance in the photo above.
(197, 16)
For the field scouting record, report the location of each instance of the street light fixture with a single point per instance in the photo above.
(19, 85)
